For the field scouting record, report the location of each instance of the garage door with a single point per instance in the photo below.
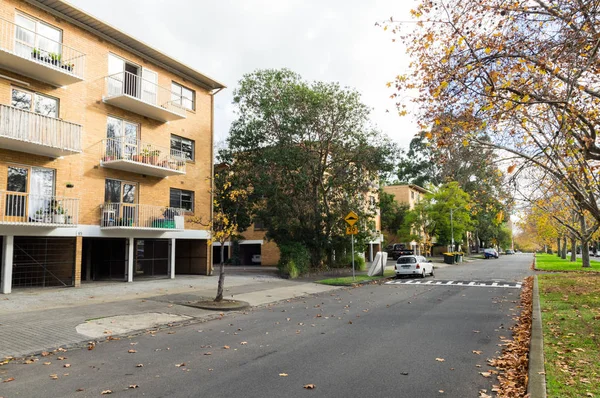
(43, 262)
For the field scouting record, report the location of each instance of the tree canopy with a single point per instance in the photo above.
(310, 154)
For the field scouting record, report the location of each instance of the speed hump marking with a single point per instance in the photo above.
(351, 218)
(352, 230)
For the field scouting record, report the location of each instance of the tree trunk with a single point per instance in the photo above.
(573, 250)
(585, 245)
(564, 248)
(221, 274)
(558, 252)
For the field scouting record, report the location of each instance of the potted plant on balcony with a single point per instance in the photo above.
(109, 155)
(146, 155)
(154, 154)
(68, 67)
(55, 59)
(36, 54)
(58, 213)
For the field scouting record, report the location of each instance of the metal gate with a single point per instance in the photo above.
(43, 262)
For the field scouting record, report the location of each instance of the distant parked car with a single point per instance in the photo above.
(509, 251)
(413, 265)
(256, 259)
(490, 253)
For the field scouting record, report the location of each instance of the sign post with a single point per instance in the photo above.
(352, 230)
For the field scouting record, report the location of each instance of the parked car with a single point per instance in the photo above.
(490, 253)
(398, 249)
(509, 251)
(413, 265)
(256, 259)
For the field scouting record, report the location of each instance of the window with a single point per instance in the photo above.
(181, 199)
(116, 191)
(412, 194)
(184, 145)
(122, 137)
(34, 102)
(31, 34)
(183, 96)
(259, 225)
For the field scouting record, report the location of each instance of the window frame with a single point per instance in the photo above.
(34, 96)
(38, 21)
(193, 158)
(193, 200)
(180, 102)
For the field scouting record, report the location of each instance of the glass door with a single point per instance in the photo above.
(42, 204)
(120, 207)
(16, 197)
(149, 86)
(116, 66)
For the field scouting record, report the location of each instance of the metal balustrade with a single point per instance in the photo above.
(136, 216)
(34, 128)
(36, 48)
(129, 91)
(21, 208)
(136, 156)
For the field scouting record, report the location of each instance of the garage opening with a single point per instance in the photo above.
(190, 257)
(151, 258)
(104, 259)
(217, 254)
(250, 254)
(43, 262)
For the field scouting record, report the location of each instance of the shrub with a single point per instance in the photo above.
(294, 260)
(345, 261)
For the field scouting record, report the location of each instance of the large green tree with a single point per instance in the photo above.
(310, 155)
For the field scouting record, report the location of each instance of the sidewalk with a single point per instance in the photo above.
(35, 320)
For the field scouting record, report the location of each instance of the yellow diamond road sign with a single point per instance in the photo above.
(351, 218)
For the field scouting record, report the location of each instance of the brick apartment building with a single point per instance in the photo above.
(410, 195)
(105, 149)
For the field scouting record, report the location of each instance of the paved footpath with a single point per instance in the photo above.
(36, 320)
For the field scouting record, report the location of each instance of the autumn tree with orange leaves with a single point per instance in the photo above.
(519, 76)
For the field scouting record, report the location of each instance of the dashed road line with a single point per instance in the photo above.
(512, 285)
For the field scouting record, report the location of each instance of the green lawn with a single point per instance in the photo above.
(550, 262)
(570, 306)
(348, 281)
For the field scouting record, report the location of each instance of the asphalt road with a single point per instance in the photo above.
(371, 341)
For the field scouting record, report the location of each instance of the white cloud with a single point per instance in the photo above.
(332, 40)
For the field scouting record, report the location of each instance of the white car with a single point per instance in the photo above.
(256, 259)
(413, 265)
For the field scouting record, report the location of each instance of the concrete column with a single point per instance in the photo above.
(7, 263)
(370, 252)
(172, 260)
(130, 259)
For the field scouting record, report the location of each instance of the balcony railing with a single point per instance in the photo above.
(144, 97)
(139, 157)
(136, 216)
(27, 131)
(40, 57)
(17, 208)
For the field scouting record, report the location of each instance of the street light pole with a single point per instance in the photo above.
(452, 229)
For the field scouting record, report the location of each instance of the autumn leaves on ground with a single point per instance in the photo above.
(570, 305)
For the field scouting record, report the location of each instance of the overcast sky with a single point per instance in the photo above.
(327, 40)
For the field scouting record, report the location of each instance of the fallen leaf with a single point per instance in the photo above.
(91, 346)
(45, 354)
(404, 373)
(208, 353)
(139, 365)
(283, 374)
(80, 389)
(106, 392)
(54, 377)
(441, 391)
(485, 374)
(47, 363)
(132, 351)
(67, 365)
(477, 352)
(8, 380)
(226, 347)
(133, 386)
(244, 343)
(310, 386)
(440, 359)
(180, 365)
(61, 358)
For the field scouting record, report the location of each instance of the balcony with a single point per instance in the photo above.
(28, 53)
(17, 208)
(138, 157)
(130, 92)
(136, 216)
(30, 132)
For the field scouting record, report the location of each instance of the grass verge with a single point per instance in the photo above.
(349, 281)
(570, 305)
(550, 262)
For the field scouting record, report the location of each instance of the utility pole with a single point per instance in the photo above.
(452, 229)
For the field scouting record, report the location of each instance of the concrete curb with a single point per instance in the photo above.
(537, 375)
